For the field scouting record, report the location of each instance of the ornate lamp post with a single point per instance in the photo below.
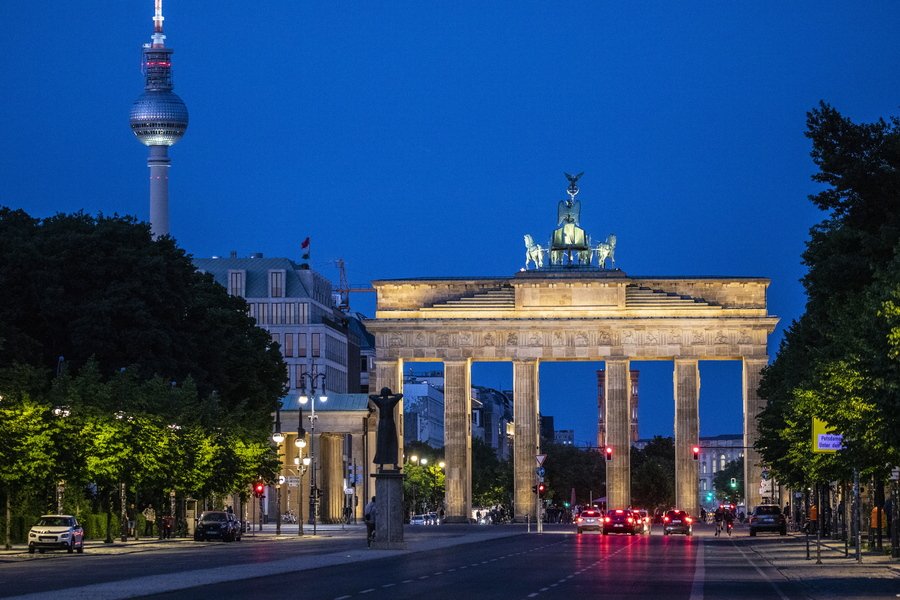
(278, 437)
(313, 379)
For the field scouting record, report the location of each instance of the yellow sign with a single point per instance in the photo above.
(824, 439)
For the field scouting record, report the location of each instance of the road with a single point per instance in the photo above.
(557, 564)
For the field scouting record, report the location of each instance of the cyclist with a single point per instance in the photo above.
(719, 517)
(729, 521)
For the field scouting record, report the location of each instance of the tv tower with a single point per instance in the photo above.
(159, 118)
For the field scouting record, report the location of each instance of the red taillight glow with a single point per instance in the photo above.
(688, 519)
(606, 519)
(579, 520)
(666, 519)
(630, 520)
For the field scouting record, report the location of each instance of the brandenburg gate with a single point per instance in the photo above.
(573, 310)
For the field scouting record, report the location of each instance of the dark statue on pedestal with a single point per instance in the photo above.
(386, 450)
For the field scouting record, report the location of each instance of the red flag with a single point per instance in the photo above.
(305, 243)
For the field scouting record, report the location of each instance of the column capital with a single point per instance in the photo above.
(680, 360)
(457, 362)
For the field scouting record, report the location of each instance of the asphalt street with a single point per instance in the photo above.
(456, 561)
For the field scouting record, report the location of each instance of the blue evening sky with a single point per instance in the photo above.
(420, 139)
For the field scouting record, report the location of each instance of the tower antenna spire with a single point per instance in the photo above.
(158, 18)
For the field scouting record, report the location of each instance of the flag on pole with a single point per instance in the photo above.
(305, 243)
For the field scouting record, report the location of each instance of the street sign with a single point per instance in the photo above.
(281, 479)
(539, 471)
(764, 474)
(293, 481)
(540, 459)
(895, 474)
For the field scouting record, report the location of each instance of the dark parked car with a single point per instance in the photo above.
(767, 517)
(622, 520)
(218, 525)
(678, 521)
(56, 532)
(589, 519)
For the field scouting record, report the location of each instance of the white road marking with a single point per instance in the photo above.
(699, 573)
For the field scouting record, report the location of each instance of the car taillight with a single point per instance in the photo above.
(579, 520)
(665, 519)
(630, 520)
(606, 519)
(688, 520)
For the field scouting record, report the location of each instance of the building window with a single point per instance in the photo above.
(703, 484)
(721, 462)
(301, 345)
(288, 349)
(276, 338)
(315, 345)
(278, 314)
(303, 313)
(236, 283)
(276, 284)
(364, 364)
(703, 467)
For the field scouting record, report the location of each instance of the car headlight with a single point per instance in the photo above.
(32, 534)
(65, 535)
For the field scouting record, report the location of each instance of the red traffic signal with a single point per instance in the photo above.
(609, 453)
(696, 451)
(258, 488)
(541, 488)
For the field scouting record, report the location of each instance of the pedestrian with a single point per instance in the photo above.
(369, 515)
(167, 522)
(129, 514)
(149, 518)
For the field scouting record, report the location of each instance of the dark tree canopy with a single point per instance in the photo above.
(839, 361)
(101, 288)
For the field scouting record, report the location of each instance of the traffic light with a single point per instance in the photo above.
(258, 489)
(609, 453)
(733, 482)
(541, 488)
(534, 489)
(696, 451)
(709, 496)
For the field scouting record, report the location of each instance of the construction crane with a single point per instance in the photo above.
(344, 288)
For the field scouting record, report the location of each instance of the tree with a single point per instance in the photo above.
(653, 474)
(568, 467)
(733, 471)
(839, 361)
(148, 372)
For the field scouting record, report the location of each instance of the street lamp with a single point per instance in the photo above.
(300, 443)
(278, 437)
(314, 380)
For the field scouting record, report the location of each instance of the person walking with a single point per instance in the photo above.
(129, 514)
(150, 518)
(369, 515)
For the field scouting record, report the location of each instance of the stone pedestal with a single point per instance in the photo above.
(389, 515)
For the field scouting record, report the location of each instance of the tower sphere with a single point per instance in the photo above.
(159, 118)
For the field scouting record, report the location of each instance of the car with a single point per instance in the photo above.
(218, 525)
(56, 532)
(644, 517)
(622, 520)
(678, 521)
(417, 520)
(767, 517)
(590, 519)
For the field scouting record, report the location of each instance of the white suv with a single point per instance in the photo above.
(56, 532)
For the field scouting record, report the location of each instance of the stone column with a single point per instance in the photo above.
(458, 440)
(357, 458)
(752, 368)
(332, 478)
(618, 433)
(526, 438)
(686, 384)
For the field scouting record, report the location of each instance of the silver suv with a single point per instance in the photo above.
(56, 532)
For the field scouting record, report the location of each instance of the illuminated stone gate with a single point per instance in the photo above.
(573, 310)
(590, 315)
